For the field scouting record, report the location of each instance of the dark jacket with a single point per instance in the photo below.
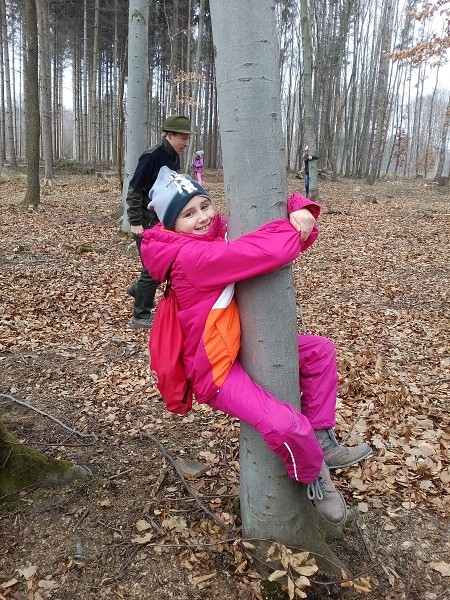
(306, 160)
(150, 162)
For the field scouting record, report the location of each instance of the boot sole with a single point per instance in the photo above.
(140, 326)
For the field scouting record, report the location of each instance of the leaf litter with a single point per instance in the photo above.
(376, 282)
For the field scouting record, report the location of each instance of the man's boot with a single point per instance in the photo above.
(337, 456)
(328, 501)
(131, 289)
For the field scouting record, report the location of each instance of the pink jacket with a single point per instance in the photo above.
(197, 163)
(204, 270)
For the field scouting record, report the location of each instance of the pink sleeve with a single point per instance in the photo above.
(268, 248)
(296, 202)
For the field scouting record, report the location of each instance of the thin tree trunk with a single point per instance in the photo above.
(10, 141)
(417, 126)
(174, 41)
(121, 125)
(137, 93)
(310, 131)
(439, 177)
(115, 89)
(32, 194)
(84, 154)
(2, 102)
(93, 102)
(46, 90)
(198, 71)
(429, 129)
(382, 91)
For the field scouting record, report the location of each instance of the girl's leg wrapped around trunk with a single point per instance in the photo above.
(285, 430)
(319, 385)
(318, 380)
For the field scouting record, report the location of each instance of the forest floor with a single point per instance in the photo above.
(377, 282)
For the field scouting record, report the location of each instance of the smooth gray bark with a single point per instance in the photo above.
(198, 69)
(382, 89)
(46, 90)
(32, 194)
(439, 178)
(310, 130)
(93, 96)
(248, 83)
(9, 120)
(137, 94)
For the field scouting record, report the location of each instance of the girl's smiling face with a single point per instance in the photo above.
(196, 216)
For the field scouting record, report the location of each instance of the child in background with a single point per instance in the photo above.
(191, 241)
(197, 166)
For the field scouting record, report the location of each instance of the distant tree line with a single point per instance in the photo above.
(372, 114)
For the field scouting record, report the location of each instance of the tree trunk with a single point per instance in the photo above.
(248, 82)
(198, 70)
(137, 94)
(23, 467)
(174, 42)
(115, 91)
(2, 102)
(84, 139)
(310, 131)
(439, 177)
(121, 118)
(381, 92)
(32, 194)
(428, 145)
(9, 118)
(46, 90)
(93, 101)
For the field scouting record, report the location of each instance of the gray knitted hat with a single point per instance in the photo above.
(170, 194)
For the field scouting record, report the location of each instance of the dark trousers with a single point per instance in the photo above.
(146, 288)
(306, 184)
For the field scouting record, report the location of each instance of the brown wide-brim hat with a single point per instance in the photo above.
(178, 124)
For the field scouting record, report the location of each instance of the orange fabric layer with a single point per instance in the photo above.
(222, 339)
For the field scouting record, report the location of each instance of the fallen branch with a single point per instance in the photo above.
(436, 380)
(158, 483)
(184, 482)
(60, 423)
(357, 418)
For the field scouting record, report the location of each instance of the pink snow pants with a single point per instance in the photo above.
(288, 432)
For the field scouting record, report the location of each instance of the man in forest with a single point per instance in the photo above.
(176, 136)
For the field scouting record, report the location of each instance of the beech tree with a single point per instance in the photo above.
(381, 94)
(440, 178)
(273, 506)
(32, 194)
(46, 89)
(197, 76)
(310, 126)
(137, 94)
(372, 116)
(8, 110)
